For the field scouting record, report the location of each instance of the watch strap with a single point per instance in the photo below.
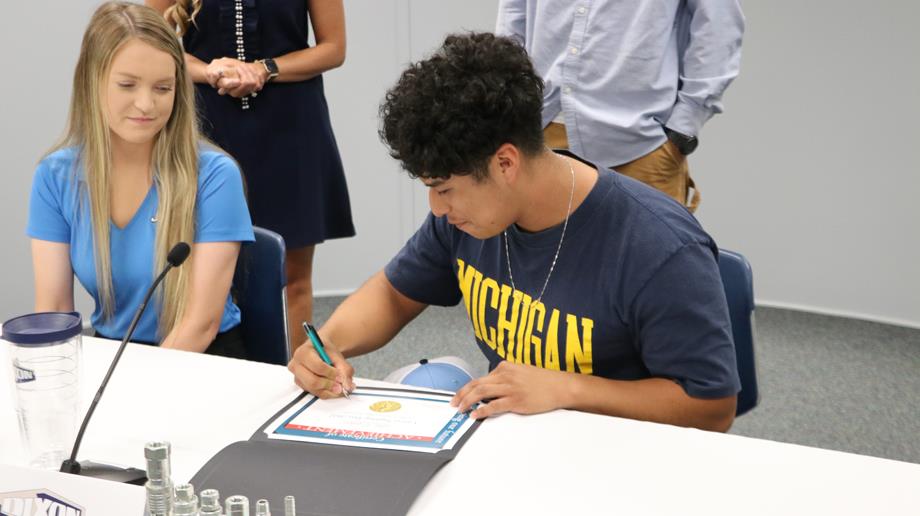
(685, 144)
(271, 67)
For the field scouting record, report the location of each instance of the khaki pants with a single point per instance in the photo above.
(665, 168)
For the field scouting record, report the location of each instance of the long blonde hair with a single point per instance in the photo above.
(175, 152)
(181, 13)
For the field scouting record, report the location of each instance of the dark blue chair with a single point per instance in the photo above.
(259, 284)
(738, 281)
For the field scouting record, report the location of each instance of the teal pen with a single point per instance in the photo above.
(320, 349)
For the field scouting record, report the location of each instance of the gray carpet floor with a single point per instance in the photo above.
(827, 382)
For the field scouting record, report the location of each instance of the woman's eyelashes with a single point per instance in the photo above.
(160, 88)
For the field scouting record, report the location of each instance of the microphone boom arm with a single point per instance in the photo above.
(176, 256)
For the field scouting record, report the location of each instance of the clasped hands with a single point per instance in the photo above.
(236, 78)
(522, 389)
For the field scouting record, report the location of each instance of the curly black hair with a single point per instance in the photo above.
(447, 115)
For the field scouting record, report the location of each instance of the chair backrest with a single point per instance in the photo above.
(259, 289)
(738, 281)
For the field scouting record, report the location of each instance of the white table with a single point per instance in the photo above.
(562, 462)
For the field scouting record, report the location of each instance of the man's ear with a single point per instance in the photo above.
(507, 161)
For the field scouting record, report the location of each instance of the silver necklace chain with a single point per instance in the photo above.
(565, 224)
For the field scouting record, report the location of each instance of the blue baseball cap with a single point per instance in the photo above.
(442, 373)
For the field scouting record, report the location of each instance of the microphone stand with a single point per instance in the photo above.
(177, 255)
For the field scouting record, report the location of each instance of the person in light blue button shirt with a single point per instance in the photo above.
(630, 84)
(129, 181)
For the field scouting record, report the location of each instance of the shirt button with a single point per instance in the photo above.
(574, 50)
(567, 90)
(581, 10)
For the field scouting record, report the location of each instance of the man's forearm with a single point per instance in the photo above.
(709, 63)
(654, 399)
(369, 318)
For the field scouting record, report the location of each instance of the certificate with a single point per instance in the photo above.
(395, 419)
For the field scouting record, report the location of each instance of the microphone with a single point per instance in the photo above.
(177, 255)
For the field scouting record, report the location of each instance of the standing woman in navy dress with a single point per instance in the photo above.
(260, 94)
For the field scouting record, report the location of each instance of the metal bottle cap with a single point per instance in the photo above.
(185, 503)
(158, 487)
(210, 503)
(237, 505)
(157, 454)
(290, 508)
(262, 508)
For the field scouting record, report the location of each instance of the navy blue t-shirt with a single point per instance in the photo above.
(636, 291)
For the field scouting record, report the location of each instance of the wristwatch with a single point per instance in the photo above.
(685, 144)
(270, 67)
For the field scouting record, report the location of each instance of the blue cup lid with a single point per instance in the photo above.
(42, 328)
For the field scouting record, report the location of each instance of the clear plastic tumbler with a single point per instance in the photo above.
(45, 351)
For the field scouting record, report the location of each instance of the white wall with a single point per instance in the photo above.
(383, 37)
(42, 41)
(810, 172)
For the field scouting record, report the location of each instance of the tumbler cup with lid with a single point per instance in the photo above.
(45, 352)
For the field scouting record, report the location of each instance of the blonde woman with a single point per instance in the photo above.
(129, 180)
(260, 91)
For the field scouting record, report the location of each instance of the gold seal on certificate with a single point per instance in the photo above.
(386, 406)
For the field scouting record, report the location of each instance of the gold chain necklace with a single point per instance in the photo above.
(565, 224)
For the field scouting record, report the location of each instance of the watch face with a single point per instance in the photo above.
(270, 66)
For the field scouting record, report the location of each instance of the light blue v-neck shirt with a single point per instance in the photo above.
(57, 215)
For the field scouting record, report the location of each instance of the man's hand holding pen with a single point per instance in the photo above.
(329, 376)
